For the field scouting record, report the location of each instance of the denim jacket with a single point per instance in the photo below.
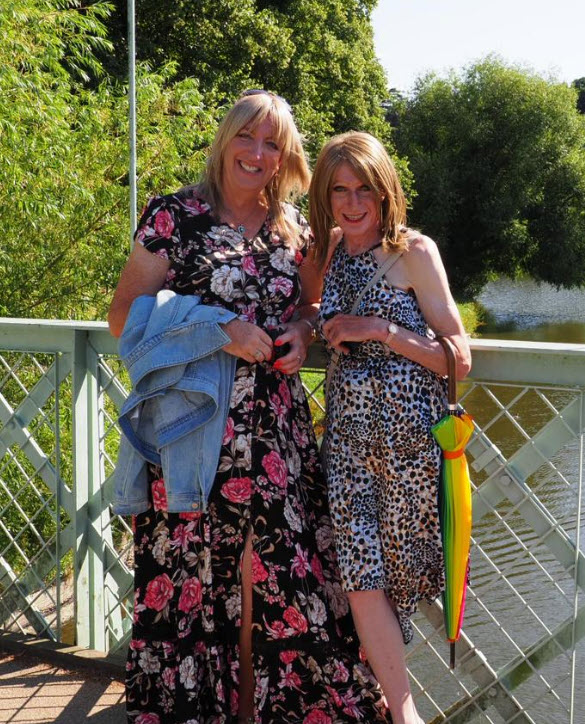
(176, 414)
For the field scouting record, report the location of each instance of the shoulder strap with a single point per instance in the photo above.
(382, 269)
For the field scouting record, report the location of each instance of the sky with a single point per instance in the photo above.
(416, 36)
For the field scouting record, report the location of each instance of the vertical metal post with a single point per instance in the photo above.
(132, 116)
(89, 547)
(577, 561)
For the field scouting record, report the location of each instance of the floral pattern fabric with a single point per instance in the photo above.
(184, 656)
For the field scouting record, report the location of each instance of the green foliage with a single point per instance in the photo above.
(499, 164)
(318, 54)
(579, 86)
(64, 158)
(64, 130)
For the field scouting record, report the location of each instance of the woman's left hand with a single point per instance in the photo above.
(298, 335)
(352, 328)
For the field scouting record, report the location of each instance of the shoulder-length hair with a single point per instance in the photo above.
(293, 176)
(370, 162)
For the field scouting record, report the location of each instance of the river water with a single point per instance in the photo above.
(527, 310)
(534, 311)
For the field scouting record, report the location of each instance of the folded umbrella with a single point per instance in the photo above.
(452, 433)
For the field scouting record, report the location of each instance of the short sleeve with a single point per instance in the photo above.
(305, 236)
(159, 229)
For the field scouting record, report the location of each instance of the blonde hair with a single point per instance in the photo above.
(369, 160)
(293, 176)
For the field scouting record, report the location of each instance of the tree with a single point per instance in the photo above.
(318, 54)
(63, 158)
(498, 158)
(579, 85)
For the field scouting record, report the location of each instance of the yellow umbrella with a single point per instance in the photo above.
(453, 433)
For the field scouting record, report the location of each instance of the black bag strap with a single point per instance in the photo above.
(449, 349)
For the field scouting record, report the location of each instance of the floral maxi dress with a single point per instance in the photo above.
(184, 656)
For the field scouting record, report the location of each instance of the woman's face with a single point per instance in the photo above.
(252, 158)
(355, 205)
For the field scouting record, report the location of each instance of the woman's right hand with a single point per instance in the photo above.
(247, 341)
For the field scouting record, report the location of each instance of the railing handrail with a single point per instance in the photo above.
(11, 324)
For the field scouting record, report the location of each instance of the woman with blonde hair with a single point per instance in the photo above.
(385, 298)
(238, 606)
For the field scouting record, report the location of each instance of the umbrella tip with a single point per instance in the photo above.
(452, 655)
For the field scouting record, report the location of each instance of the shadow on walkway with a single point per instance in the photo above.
(36, 692)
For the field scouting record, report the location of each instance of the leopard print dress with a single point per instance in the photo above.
(381, 459)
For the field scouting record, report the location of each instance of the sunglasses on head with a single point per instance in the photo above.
(262, 92)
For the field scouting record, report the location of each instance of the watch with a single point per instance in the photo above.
(392, 330)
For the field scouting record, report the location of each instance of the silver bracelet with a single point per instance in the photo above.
(311, 326)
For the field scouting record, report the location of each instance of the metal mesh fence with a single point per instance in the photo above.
(66, 559)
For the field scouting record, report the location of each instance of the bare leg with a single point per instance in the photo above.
(381, 637)
(246, 699)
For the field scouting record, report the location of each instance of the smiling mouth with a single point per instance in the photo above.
(354, 218)
(248, 168)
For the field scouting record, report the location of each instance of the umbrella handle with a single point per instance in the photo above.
(449, 349)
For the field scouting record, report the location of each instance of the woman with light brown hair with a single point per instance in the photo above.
(385, 298)
(238, 606)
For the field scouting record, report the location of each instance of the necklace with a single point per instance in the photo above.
(240, 226)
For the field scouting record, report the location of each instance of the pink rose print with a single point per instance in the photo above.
(159, 591)
(275, 468)
(228, 433)
(191, 595)
(189, 516)
(317, 569)
(237, 490)
(147, 718)
(169, 678)
(196, 206)
(316, 716)
(284, 393)
(290, 679)
(247, 312)
(137, 644)
(300, 563)
(277, 630)
(341, 673)
(249, 266)
(278, 408)
(288, 313)
(159, 494)
(287, 657)
(183, 535)
(163, 224)
(281, 284)
(234, 702)
(259, 573)
(295, 620)
(298, 257)
(338, 701)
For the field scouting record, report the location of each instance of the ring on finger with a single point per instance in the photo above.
(259, 355)
(299, 358)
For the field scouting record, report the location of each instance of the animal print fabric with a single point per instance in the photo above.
(382, 462)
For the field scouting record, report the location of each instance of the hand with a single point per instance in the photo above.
(351, 328)
(298, 335)
(248, 341)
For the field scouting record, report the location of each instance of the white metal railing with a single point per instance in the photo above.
(66, 559)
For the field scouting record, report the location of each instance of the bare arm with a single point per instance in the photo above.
(144, 273)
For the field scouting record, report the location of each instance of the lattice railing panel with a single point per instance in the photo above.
(521, 657)
(31, 514)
